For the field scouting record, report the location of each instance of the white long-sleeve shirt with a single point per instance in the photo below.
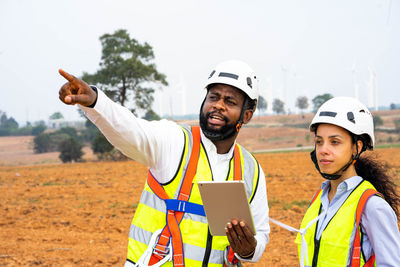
(159, 145)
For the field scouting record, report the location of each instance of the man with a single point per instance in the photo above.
(180, 156)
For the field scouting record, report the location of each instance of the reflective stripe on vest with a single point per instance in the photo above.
(338, 238)
(150, 214)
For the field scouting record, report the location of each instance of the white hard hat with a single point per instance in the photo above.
(237, 74)
(348, 113)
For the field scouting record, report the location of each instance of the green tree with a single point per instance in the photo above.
(278, 106)
(151, 115)
(3, 118)
(262, 104)
(397, 125)
(377, 121)
(319, 100)
(100, 144)
(70, 150)
(56, 115)
(36, 130)
(42, 143)
(302, 103)
(126, 69)
(104, 150)
(69, 131)
(8, 126)
(50, 142)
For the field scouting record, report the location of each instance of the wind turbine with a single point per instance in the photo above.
(354, 78)
(354, 75)
(160, 97)
(181, 91)
(372, 88)
(296, 78)
(268, 93)
(284, 87)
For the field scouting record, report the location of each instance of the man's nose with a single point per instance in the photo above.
(220, 104)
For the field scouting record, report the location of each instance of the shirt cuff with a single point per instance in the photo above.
(95, 101)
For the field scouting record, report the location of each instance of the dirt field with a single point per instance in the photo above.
(79, 214)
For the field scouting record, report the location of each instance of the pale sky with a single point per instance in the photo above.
(305, 47)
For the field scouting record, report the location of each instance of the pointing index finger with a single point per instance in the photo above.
(66, 75)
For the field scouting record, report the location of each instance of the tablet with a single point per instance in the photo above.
(223, 202)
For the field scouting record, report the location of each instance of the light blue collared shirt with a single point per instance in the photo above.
(378, 221)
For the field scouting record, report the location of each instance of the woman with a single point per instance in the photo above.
(357, 207)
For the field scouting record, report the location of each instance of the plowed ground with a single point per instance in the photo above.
(79, 214)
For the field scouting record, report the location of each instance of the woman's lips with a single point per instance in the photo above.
(325, 162)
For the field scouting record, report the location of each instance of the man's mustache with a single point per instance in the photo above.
(209, 114)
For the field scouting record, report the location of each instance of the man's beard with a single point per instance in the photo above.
(225, 132)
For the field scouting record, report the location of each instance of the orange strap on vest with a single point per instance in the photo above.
(174, 217)
(356, 254)
(315, 196)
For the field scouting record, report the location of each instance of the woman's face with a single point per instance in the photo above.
(334, 148)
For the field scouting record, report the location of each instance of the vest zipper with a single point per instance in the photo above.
(316, 242)
(208, 249)
(316, 251)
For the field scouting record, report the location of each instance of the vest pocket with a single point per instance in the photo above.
(332, 255)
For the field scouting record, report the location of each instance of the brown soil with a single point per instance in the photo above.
(79, 214)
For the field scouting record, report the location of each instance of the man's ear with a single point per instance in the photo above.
(248, 114)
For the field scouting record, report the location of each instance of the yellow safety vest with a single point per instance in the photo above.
(332, 250)
(198, 244)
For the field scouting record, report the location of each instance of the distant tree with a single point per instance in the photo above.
(70, 150)
(100, 144)
(69, 131)
(126, 69)
(262, 104)
(56, 115)
(49, 142)
(90, 132)
(397, 125)
(377, 121)
(393, 106)
(278, 106)
(151, 115)
(8, 126)
(36, 123)
(3, 118)
(302, 103)
(36, 130)
(42, 143)
(319, 100)
(10, 123)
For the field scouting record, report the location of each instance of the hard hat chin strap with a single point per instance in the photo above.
(340, 172)
(239, 123)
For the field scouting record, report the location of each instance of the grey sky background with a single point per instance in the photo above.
(305, 47)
